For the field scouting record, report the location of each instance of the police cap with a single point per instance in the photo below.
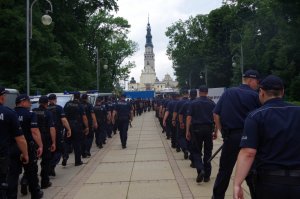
(203, 88)
(52, 97)
(84, 96)
(3, 91)
(251, 74)
(193, 93)
(184, 91)
(76, 95)
(272, 82)
(43, 99)
(21, 98)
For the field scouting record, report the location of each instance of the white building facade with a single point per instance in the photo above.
(148, 79)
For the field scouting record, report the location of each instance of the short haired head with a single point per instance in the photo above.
(203, 89)
(52, 97)
(43, 99)
(272, 82)
(99, 99)
(3, 91)
(22, 97)
(251, 74)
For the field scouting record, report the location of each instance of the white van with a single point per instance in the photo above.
(11, 97)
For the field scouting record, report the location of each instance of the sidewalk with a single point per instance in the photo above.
(147, 169)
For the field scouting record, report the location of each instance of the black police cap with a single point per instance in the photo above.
(184, 91)
(84, 96)
(203, 88)
(21, 98)
(3, 91)
(193, 93)
(251, 74)
(43, 99)
(272, 82)
(52, 97)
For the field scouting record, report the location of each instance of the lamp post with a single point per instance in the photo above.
(203, 74)
(46, 20)
(98, 70)
(241, 56)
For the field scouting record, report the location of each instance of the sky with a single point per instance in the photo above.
(162, 14)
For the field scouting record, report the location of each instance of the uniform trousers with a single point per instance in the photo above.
(100, 133)
(202, 135)
(230, 150)
(30, 171)
(277, 187)
(181, 139)
(88, 141)
(46, 159)
(123, 128)
(77, 136)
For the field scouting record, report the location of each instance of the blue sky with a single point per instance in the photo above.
(162, 14)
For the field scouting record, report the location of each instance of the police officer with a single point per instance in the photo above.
(28, 122)
(229, 115)
(88, 139)
(182, 124)
(102, 116)
(180, 134)
(48, 134)
(63, 131)
(10, 134)
(167, 121)
(79, 126)
(199, 129)
(271, 140)
(124, 113)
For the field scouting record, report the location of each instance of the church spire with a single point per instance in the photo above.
(148, 36)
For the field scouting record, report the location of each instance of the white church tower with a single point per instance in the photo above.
(148, 75)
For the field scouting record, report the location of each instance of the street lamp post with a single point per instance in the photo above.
(46, 20)
(98, 70)
(241, 56)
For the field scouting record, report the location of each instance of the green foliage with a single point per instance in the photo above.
(265, 32)
(62, 55)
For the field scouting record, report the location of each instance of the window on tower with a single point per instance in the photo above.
(147, 62)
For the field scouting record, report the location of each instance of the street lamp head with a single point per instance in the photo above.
(105, 66)
(46, 19)
(233, 64)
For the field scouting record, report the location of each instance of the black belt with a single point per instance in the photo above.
(287, 173)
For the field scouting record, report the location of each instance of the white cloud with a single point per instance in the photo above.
(162, 14)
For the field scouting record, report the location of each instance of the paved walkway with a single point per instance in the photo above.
(147, 169)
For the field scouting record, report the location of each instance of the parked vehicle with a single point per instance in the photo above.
(11, 97)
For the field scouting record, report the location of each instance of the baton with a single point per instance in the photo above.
(214, 155)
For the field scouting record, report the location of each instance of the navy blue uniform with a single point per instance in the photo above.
(233, 107)
(74, 112)
(27, 121)
(101, 112)
(123, 110)
(170, 108)
(45, 122)
(273, 130)
(181, 138)
(61, 148)
(9, 129)
(201, 111)
(110, 127)
(88, 139)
